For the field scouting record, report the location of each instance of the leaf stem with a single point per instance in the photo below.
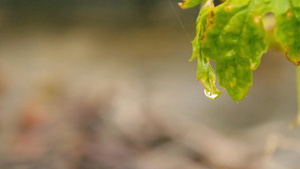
(297, 120)
(298, 92)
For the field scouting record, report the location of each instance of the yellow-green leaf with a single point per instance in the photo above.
(205, 73)
(236, 41)
(288, 30)
(233, 35)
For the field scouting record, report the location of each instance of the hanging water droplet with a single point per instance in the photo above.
(210, 95)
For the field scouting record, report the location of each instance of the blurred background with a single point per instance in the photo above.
(106, 84)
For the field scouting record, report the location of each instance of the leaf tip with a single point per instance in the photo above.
(181, 5)
(238, 93)
(291, 58)
(189, 3)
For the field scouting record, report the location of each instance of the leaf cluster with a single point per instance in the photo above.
(234, 37)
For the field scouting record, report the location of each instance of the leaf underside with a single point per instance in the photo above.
(233, 35)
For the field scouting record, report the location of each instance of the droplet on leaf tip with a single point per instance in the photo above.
(210, 95)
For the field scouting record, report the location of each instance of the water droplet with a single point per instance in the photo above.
(210, 95)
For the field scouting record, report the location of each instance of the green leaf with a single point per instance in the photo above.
(235, 41)
(205, 73)
(288, 30)
(233, 35)
(189, 3)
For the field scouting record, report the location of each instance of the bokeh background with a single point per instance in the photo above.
(106, 84)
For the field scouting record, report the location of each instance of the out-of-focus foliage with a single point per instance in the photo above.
(235, 38)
